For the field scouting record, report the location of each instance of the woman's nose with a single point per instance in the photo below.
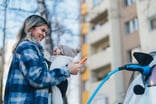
(43, 34)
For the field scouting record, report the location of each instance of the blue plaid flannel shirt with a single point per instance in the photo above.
(29, 79)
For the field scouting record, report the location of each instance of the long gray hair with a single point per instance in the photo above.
(30, 22)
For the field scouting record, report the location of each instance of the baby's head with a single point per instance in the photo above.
(66, 51)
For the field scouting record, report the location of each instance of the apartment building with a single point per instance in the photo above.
(130, 35)
(147, 24)
(109, 35)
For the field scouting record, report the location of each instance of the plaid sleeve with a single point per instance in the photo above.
(35, 70)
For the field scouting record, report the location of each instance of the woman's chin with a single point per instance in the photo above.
(39, 40)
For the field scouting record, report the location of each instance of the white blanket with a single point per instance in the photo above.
(58, 61)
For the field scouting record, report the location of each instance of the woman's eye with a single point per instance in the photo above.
(43, 30)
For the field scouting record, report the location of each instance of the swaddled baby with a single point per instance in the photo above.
(63, 55)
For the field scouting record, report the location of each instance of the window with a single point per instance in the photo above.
(132, 25)
(100, 45)
(129, 2)
(152, 23)
(84, 38)
(130, 57)
(99, 73)
(85, 18)
(99, 20)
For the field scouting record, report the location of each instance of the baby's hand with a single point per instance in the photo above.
(74, 68)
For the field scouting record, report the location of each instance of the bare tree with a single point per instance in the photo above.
(49, 12)
(44, 13)
(3, 52)
(57, 27)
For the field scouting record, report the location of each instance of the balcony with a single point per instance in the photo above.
(99, 33)
(107, 89)
(100, 59)
(96, 10)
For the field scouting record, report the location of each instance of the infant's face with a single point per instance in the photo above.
(57, 51)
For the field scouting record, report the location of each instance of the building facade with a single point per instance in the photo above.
(111, 31)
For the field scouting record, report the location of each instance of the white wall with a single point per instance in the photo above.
(146, 9)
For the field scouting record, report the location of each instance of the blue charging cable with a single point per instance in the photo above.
(145, 70)
(101, 84)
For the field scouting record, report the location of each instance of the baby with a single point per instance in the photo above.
(63, 55)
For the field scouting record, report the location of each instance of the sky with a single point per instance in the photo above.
(17, 11)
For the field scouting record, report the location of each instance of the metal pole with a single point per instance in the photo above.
(3, 51)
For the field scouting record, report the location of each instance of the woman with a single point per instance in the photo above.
(29, 78)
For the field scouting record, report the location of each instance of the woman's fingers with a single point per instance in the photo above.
(74, 68)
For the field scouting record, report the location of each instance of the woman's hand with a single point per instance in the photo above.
(74, 68)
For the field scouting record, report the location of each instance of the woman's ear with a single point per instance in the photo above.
(30, 30)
